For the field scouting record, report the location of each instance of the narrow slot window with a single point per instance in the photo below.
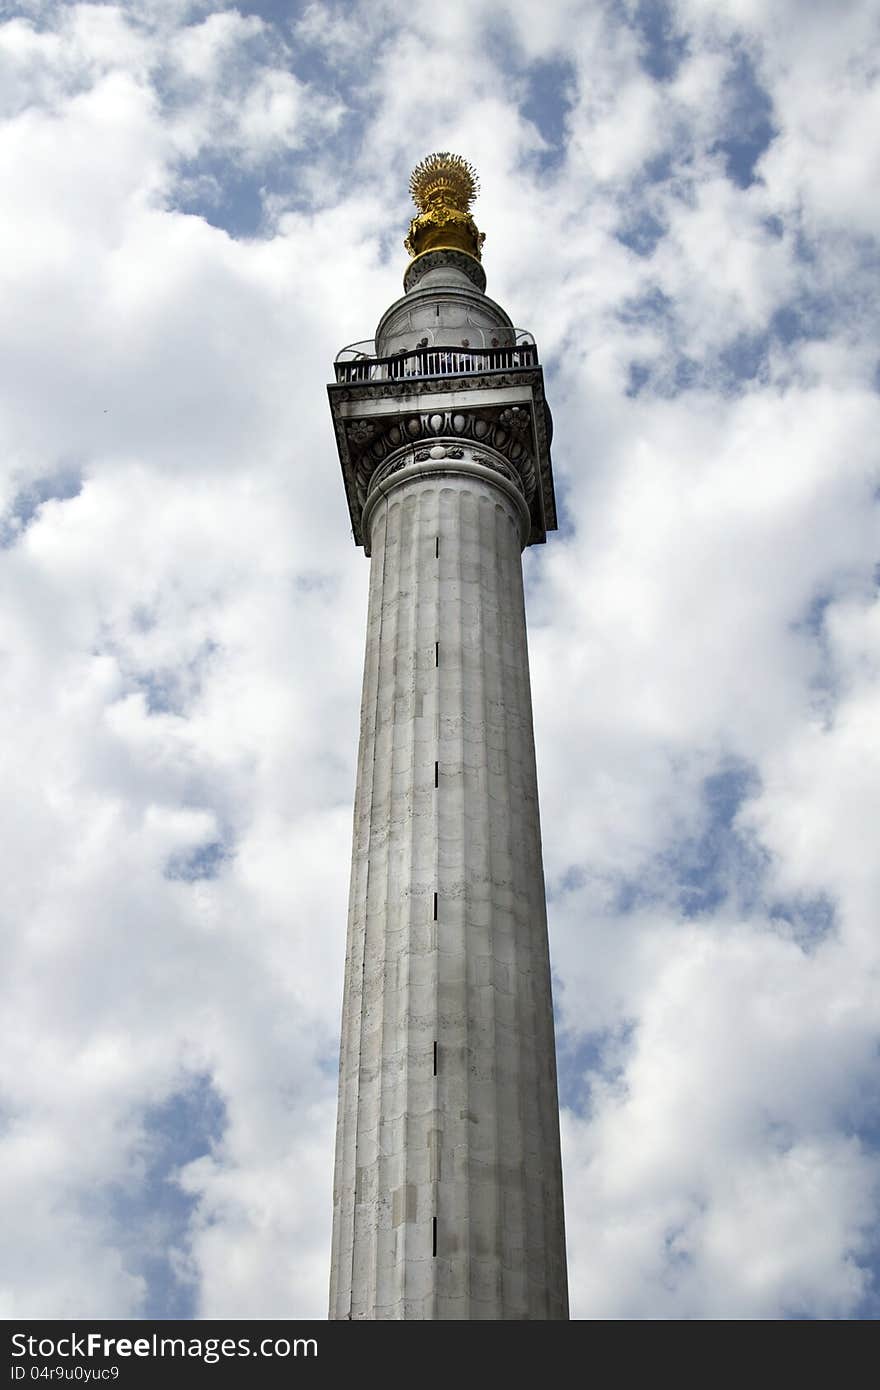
(436, 547)
(436, 774)
(436, 653)
(433, 1235)
(435, 1058)
(435, 907)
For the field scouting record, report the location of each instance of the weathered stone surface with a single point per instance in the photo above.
(448, 1133)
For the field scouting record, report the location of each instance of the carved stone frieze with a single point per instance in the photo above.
(443, 449)
(439, 451)
(507, 431)
(515, 419)
(360, 432)
(495, 463)
(385, 470)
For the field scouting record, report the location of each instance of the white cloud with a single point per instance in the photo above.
(182, 629)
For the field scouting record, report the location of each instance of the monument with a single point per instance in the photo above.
(447, 1186)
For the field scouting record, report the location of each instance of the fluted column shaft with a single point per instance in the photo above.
(447, 1190)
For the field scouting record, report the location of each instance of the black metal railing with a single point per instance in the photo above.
(438, 361)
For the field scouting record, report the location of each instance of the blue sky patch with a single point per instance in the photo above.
(155, 1212)
(824, 682)
(720, 862)
(813, 621)
(649, 307)
(162, 691)
(662, 47)
(806, 921)
(170, 689)
(743, 359)
(641, 232)
(804, 316)
(639, 376)
(695, 875)
(204, 862)
(24, 508)
(583, 1058)
(550, 91)
(774, 225)
(281, 13)
(225, 195)
(749, 122)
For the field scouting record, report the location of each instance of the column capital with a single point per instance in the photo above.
(447, 457)
(502, 412)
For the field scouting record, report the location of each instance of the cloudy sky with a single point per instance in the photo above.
(199, 205)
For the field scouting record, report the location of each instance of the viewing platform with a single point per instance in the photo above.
(356, 363)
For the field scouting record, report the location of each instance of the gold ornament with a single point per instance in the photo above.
(443, 187)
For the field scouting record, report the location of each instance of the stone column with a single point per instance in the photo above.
(447, 1189)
